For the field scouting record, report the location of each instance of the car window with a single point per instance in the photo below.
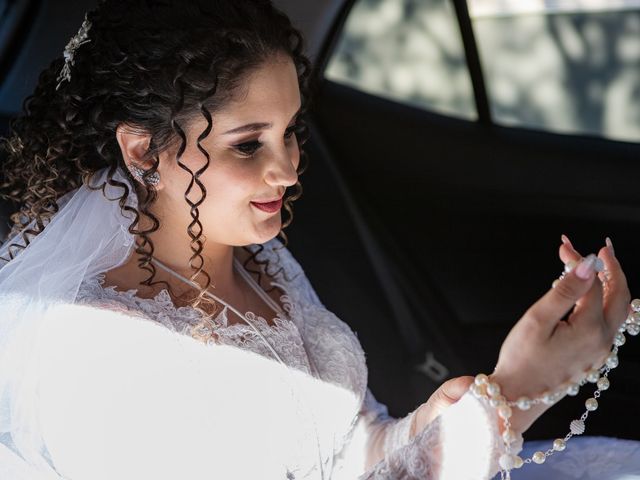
(568, 66)
(407, 50)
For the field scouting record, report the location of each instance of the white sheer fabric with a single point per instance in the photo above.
(88, 235)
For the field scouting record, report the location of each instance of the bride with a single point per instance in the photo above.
(153, 324)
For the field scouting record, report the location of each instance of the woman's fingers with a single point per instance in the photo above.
(588, 311)
(613, 302)
(558, 301)
(453, 389)
(449, 393)
(616, 295)
(568, 252)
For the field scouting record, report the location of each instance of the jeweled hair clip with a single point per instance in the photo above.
(76, 41)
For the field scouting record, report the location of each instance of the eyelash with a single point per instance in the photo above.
(248, 149)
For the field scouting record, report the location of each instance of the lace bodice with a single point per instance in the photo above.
(283, 335)
(342, 359)
(325, 398)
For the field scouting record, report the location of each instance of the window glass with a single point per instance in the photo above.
(406, 50)
(570, 66)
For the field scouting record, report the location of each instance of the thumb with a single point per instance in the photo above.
(453, 389)
(557, 302)
(446, 395)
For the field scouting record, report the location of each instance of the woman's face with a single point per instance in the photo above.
(254, 156)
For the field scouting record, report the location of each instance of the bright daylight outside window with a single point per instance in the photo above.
(406, 50)
(568, 66)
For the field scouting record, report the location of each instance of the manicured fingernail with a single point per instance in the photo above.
(565, 239)
(586, 267)
(610, 245)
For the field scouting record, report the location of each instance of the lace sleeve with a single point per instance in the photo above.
(462, 443)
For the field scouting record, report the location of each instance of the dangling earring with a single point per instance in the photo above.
(139, 173)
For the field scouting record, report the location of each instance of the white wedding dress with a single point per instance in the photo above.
(126, 393)
(109, 386)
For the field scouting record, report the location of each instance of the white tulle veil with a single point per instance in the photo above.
(88, 235)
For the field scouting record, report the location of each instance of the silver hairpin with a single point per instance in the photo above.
(76, 41)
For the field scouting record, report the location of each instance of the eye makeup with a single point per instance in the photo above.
(248, 149)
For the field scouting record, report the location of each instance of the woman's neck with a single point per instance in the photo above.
(218, 264)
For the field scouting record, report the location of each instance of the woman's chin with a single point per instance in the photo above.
(268, 229)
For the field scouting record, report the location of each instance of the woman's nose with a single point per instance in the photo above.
(282, 168)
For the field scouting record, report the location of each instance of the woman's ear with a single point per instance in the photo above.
(134, 145)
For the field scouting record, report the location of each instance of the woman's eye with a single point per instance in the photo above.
(248, 148)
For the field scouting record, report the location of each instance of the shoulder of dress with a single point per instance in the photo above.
(288, 272)
(91, 323)
(105, 340)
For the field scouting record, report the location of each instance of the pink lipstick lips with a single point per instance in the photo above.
(269, 207)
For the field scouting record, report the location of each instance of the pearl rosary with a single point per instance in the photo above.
(489, 391)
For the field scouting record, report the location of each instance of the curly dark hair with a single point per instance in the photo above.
(156, 65)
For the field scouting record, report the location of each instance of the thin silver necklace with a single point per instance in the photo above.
(218, 299)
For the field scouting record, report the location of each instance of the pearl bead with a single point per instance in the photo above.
(619, 339)
(633, 329)
(509, 436)
(603, 383)
(570, 265)
(538, 457)
(493, 389)
(523, 403)
(478, 390)
(504, 411)
(555, 283)
(591, 404)
(495, 402)
(481, 379)
(548, 398)
(559, 444)
(593, 375)
(635, 305)
(518, 461)
(577, 427)
(507, 461)
(573, 389)
(635, 317)
(612, 361)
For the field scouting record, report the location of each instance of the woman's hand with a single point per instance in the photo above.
(542, 351)
(447, 394)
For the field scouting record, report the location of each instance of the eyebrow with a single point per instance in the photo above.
(256, 127)
(251, 127)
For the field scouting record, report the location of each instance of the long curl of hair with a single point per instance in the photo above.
(156, 65)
